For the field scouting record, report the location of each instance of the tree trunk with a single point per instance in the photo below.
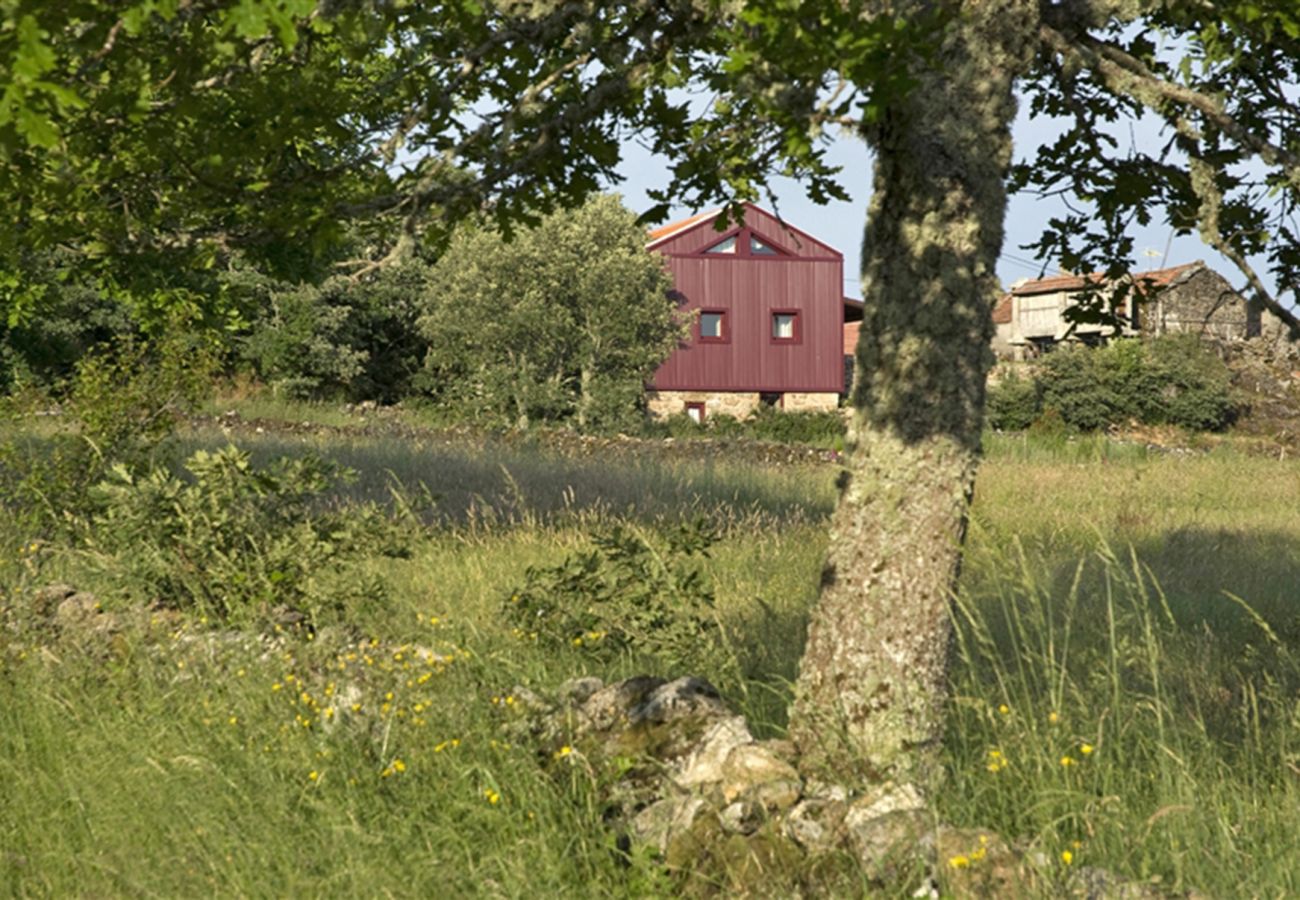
(586, 377)
(873, 679)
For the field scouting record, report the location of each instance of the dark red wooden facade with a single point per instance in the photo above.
(796, 276)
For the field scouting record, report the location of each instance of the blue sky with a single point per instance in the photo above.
(840, 224)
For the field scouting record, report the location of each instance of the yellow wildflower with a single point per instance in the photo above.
(1067, 761)
(960, 861)
(1086, 749)
(1067, 857)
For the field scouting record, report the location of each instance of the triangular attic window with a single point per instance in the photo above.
(727, 245)
(759, 248)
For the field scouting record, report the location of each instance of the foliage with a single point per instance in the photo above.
(825, 429)
(238, 540)
(71, 316)
(1232, 174)
(1170, 380)
(563, 322)
(118, 411)
(344, 338)
(630, 593)
(1192, 384)
(1192, 719)
(1012, 402)
(1077, 386)
(821, 429)
(136, 97)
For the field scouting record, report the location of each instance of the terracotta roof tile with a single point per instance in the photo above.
(1002, 310)
(1156, 278)
(1057, 283)
(1165, 277)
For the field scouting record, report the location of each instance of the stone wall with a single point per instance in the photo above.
(820, 402)
(1200, 302)
(739, 404)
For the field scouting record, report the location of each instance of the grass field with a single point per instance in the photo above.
(1125, 690)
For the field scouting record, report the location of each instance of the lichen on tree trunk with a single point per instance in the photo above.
(873, 679)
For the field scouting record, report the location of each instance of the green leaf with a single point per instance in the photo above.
(36, 128)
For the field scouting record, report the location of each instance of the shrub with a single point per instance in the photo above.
(1073, 384)
(630, 592)
(1191, 384)
(237, 540)
(1013, 402)
(823, 429)
(1169, 380)
(121, 407)
(341, 339)
(826, 429)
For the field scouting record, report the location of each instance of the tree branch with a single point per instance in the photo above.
(1206, 189)
(1128, 75)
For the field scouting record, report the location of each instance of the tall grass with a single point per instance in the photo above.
(1133, 613)
(484, 483)
(1096, 714)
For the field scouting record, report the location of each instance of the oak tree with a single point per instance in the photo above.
(188, 125)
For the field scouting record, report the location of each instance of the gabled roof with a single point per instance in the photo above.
(1057, 283)
(1156, 278)
(1159, 278)
(672, 228)
(787, 237)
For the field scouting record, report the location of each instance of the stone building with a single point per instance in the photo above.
(1030, 318)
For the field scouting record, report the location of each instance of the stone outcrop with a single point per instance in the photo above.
(684, 778)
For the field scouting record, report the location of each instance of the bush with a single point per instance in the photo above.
(238, 540)
(630, 592)
(1191, 384)
(826, 429)
(1013, 402)
(341, 339)
(118, 411)
(823, 429)
(1073, 382)
(1169, 380)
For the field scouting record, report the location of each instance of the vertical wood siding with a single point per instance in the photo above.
(748, 289)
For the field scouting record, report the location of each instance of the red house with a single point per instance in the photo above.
(769, 320)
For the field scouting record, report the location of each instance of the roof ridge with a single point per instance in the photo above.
(672, 228)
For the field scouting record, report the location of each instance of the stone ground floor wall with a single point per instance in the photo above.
(808, 402)
(738, 404)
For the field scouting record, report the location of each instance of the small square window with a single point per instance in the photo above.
(695, 412)
(713, 326)
(785, 326)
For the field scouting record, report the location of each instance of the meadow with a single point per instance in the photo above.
(1126, 689)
